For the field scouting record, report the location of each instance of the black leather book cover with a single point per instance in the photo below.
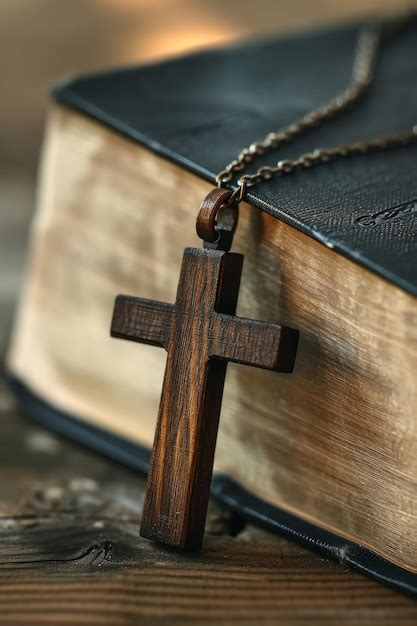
(201, 110)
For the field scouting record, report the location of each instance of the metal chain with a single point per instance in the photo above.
(366, 55)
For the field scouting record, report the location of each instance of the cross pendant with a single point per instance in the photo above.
(201, 334)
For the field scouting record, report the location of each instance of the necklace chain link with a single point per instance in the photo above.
(363, 72)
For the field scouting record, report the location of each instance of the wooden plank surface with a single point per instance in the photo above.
(70, 553)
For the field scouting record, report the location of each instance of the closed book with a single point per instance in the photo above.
(327, 455)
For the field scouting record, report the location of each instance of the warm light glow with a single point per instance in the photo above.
(134, 5)
(162, 28)
(176, 41)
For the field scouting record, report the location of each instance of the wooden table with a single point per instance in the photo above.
(70, 553)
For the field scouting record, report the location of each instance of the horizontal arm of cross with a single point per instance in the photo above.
(250, 342)
(145, 321)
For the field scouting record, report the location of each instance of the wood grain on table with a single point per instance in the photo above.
(70, 553)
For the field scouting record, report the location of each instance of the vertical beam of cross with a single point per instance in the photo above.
(201, 334)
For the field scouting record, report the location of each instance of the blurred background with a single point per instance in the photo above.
(43, 40)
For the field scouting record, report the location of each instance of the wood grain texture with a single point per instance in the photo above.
(335, 442)
(200, 333)
(207, 222)
(144, 321)
(70, 554)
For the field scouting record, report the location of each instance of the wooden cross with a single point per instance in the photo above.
(201, 334)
